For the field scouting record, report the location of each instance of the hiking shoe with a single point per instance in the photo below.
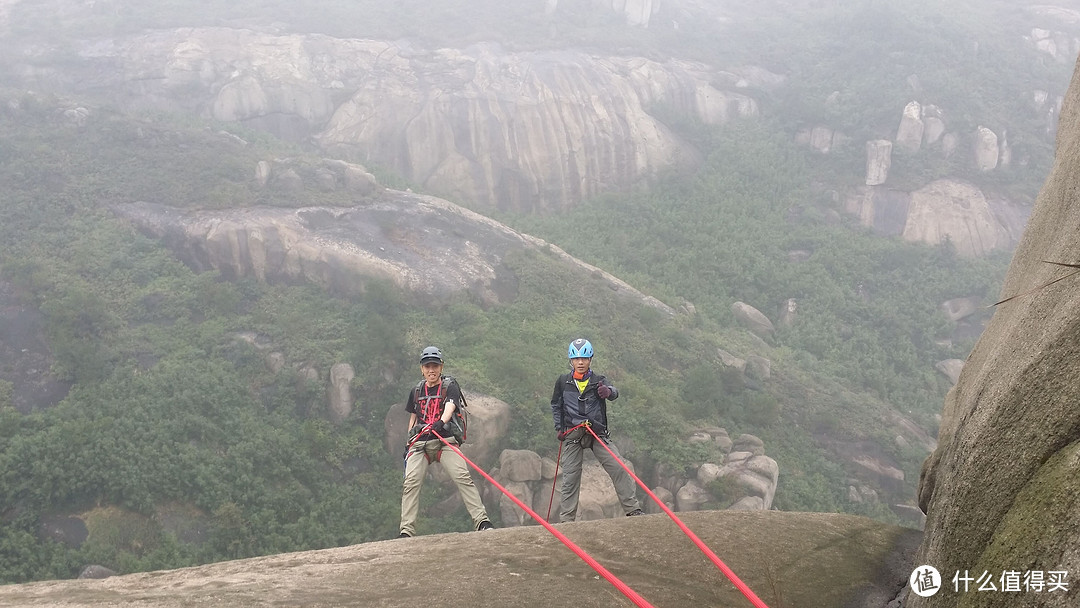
(485, 525)
(404, 535)
(635, 512)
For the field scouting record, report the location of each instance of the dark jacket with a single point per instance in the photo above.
(570, 408)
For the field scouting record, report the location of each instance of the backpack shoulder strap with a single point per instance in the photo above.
(449, 381)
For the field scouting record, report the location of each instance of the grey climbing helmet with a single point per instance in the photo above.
(431, 353)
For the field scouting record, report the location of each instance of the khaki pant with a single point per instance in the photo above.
(415, 470)
(573, 452)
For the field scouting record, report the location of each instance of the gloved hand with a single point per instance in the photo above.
(440, 428)
(415, 431)
(603, 391)
(562, 434)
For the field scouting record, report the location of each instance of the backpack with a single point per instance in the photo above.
(459, 421)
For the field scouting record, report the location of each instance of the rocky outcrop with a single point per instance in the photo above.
(1000, 490)
(951, 368)
(636, 12)
(878, 161)
(986, 150)
(526, 130)
(945, 208)
(909, 135)
(821, 139)
(753, 320)
(960, 308)
(340, 391)
(840, 560)
(954, 210)
(420, 243)
(96, 571)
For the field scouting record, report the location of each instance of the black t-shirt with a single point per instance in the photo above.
(432, 400)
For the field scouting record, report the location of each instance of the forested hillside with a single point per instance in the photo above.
(178, 445)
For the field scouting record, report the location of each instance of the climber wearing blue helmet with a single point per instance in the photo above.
(581, 396)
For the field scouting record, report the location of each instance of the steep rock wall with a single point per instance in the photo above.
(522, 130)
(1000, 491)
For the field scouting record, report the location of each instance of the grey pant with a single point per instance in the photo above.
(573, 453)
(415, 469)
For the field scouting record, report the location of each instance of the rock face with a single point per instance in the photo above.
(986, 149)
(840, 560)
(637, 12)
(528, 130)
(878, 161)
(945, 208)
(954, 210)
(340, 391)
(421, 243)
(909, 134)
(1000, 490)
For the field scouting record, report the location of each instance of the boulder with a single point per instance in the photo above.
(986, 150)
(511, 513)
(951, 368)
(960, 308)
(788, 313)
(548, 468)
(749, 503)
(598, 499)
(909, 134)
(749, 443)
(691, 497)
(521, 465)
(708, 473)
(96, 571)
(933, 128)
(753, 319)
(731, 361)
(262, 173)
(340, 392)
(878, 161)
(956, 210)
(637, 12)
(753, 476)
(664, 495)
(949, 142)
(275, 361)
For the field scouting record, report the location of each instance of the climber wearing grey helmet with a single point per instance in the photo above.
(434, 406)
(581, 396)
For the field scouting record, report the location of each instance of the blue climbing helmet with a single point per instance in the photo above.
(580, 348)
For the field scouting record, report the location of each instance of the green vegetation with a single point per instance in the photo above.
(178, 445)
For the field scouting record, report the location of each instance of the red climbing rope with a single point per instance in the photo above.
(728, 572)
(611, 578)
